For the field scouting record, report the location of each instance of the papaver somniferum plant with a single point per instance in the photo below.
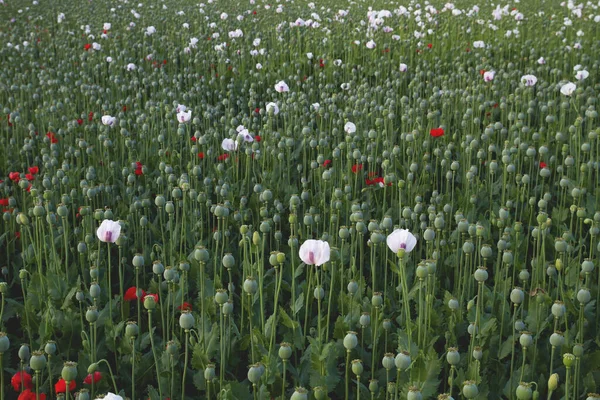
(305, 200)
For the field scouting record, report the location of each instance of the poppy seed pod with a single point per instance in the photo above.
(69, 371)
(186, 320)
(221, 297)
(209, 372)
(149, 302)
(402, 360)
(524, 391)
(299, 394)
(557, 339)
(350, 340)
(470, 390)
(452, 356)
(357, 367)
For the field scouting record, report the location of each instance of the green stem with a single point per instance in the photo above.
(185, 361)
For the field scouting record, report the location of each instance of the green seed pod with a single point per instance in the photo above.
(299, 394)
(254, 374)
(94, 290)
(557, 339)
(186, 320)
(221, 297)
(364, 320)
(477, 353)
(50, 347)
(402, 360)
(250, 285)
(452, 356)
(38, 361)
(285, 351)
(138, 261)
(228, 308)
(69, 371)
(228, 261)
(373, 386)
(470, 390)
(584, 296)
(91, 314)
(131, 329)
(377, 299)
(149, 302)
(357, 367)
(481, 274)
(524, 391)
(414, 393)
(568, 360)
(526, 339)
(209, 372)
(350, 340)
(388, 361)
(352, 287)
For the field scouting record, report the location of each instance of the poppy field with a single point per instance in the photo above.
(299, 200)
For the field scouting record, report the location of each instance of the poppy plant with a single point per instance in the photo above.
(52, 137)
(356, 168)
(314, 252)
(61, 386)
(131, 294)
(109, 231)
(401, 239)
(436, 132)
(27, 394)
(95, 378)
(185, 306)
(21, 379)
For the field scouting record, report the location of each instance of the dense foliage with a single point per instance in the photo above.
(299, 200)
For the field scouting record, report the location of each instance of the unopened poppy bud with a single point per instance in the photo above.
(553, 382)
(209, 373)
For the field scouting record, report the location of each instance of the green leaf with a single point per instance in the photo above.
(286, 320)
(298, 304)
(506, 347)
(199, 357)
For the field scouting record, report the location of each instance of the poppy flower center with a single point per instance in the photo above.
(311, 257)
(108, 236)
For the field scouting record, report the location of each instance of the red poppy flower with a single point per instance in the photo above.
(254, 12)
(61, 386)
(482, 71)
(185, 306)
(357, 167)
(21, 377)
(193, 139)
(14, 176)
(4, 202)
(80, 121)
(124, 108)
(437, 132)
(326, 163)
(29, 177)
(90, 116)
(131, 294)
(18, 235)
(155, 295)
(257, 110)
(34, 170)
(105, 31)
(96, 376)
(201, 155)
(139, 171)
(543, 164)
(164, 62)
(29, 395)
(257, 138)
(52, 137)
(223, 157)
(28, 188)
(8, 119)
(87, 46)
(429, 45)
